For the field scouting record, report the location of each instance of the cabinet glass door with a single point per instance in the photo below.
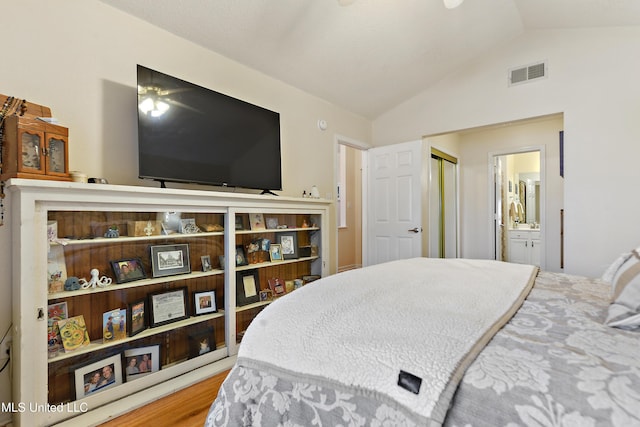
(57, 155)
(31, 148)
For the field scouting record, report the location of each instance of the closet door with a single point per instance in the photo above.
(443, 206)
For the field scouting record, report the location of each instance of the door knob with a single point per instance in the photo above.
(415, 230)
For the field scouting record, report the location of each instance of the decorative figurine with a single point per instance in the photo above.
(112, 232)
(71, 284)
(95, 281)
(148, 230)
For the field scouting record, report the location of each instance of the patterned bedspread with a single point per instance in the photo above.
(553, 364)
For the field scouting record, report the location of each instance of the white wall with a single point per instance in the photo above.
(593, 81)
(476, 224)
(79, 58)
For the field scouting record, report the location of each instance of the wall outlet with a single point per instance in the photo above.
(5, 347)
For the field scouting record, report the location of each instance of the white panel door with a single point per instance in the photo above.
(394, 224)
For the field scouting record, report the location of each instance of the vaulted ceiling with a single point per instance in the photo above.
(370, 55)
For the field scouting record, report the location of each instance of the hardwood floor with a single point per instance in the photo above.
(184, 408)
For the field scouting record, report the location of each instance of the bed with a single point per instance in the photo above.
(443, 342)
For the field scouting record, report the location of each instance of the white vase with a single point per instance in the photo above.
(170, 221)
(315, 193)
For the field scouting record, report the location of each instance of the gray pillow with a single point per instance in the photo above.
(624, 275)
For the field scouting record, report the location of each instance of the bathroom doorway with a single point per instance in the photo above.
(518, 183)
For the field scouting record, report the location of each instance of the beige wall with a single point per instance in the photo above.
(79, 58)
(590, 80)
(475, 198)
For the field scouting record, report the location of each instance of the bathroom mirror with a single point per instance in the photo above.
(529, 196)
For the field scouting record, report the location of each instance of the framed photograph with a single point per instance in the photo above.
(275, 252)
(239, 223)
(266, 295)
(277, 286)
(142, 361)
(114, 325)
(167, 260)
(206, 263)
(128, 270)
(137, 317)
(289, 244)
(272, 222)
(247, 287)
(256, 221)
(98, 376)
(167, 307)
(204, 302)
(241, 258)
(201, 342)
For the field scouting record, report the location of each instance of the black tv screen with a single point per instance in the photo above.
(188, 133)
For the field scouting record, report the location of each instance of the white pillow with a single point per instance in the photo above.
(624, 275)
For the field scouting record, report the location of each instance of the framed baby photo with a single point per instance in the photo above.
(201, 341)
(289, 245)
(275, 252)
(206, 263)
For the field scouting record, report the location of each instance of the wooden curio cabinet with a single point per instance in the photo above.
(34, 149)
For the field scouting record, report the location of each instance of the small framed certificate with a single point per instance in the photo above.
(247, 287)
(168, 307)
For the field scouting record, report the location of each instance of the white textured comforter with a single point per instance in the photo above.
(358, 330)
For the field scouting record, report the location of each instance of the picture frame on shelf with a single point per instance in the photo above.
(289, 244)
(114, 325)
(275, 252)
(169, 260)
(167, 306)
(201, 341)
(277, 286)
(128, 270)
(204, 302)
(140, 362)
(272, 222)
(266, 295)
(239, 223)
(247, 287)
(206, 263)
(256, 222)
(98, 376)
(241, 258)
(136, 317)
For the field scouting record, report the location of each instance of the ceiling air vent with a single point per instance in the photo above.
(527, 73)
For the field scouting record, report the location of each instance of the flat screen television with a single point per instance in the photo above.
(191, 134)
